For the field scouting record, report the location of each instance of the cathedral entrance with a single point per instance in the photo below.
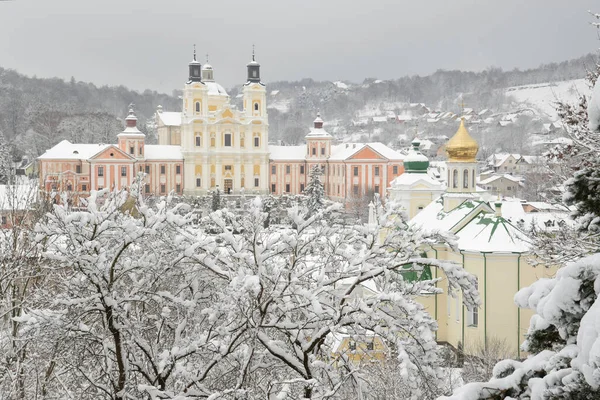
(228, 187)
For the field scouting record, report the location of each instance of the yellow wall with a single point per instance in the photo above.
(500, 276)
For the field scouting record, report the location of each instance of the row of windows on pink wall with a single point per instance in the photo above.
(340, 171)
(163, 170)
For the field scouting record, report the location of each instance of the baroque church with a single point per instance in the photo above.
(221, 146)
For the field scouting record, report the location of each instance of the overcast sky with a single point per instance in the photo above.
(148, 43)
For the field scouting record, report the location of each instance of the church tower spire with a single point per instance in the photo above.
(195, 69)
(253, 69)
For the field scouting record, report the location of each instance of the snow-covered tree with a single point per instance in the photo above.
(315, 191)
(300, 288)
(5, 161)
(152, 305)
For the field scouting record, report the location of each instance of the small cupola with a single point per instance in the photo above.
(131, 140)
(415, 161)
(318, 122)
(253, 69)
(195, 69)
(131, 120)
(207, 73)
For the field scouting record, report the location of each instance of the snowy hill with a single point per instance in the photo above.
(544, 96)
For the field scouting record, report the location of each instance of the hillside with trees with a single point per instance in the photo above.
(37, 113)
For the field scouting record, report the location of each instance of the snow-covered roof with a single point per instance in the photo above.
(426, 144)
(532, 159)
(170, 118)
(547, 217)
(410, 179)
(18, 197)
(494, 178)
(132, 131)
(475, 224)
(487, 232)
(66, 150)
(287, 152)
(500, 158)
(215, 89)
(434, 217)
(163, 152)
(318, 132)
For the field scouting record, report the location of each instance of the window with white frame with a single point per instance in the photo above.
(473, 314)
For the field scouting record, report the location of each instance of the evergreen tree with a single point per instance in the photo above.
(5, 161)
(216, 200)
(315, 192)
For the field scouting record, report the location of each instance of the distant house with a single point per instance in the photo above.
(503, 185)
(419, 108)
(504, 163)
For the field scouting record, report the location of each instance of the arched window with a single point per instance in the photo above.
(455, 179)
(465, 178)
(197, 106)
(198, 141)
(473, 179)
(255, 106)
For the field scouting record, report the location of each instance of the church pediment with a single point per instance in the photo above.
(367, 153)
(227, 113)
(112, 153)
(228, 121)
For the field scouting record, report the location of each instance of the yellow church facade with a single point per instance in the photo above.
(222, 147)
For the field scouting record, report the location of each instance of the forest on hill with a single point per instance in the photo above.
(37, 113)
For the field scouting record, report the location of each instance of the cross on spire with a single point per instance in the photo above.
(207, 58)
(462, 107)
(253, 52)
(194, 51)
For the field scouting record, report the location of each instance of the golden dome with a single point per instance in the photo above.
(462, 147)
